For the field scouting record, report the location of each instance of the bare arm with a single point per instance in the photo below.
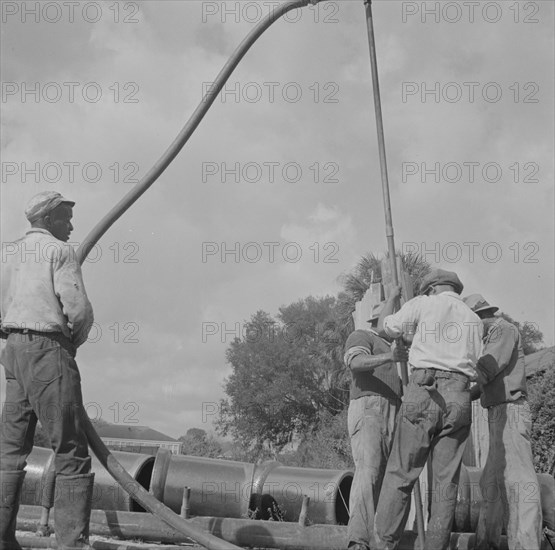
(365, 363)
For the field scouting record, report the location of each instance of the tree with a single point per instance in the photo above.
(530, 334)
(196, 442)
(328, 446)
(541, 395)
(284, 375)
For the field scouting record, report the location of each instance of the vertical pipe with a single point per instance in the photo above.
(388, 217)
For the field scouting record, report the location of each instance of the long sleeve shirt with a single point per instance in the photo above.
(502, 365)
(42, 287)
(447, 333)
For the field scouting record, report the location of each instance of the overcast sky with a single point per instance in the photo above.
(92, 94)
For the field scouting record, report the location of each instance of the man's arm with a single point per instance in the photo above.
(364, 362)
(498, 351)
(70, 290)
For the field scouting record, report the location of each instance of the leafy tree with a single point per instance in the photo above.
(196, 442)
(284, 376)
(531, 336)
(326, 447)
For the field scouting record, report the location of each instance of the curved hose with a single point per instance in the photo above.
(164, 161)
(115, 469)
(145, 499)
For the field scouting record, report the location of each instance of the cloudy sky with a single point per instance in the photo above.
(278, 192)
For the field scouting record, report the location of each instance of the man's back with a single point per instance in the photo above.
(448, 334)
(42, 287)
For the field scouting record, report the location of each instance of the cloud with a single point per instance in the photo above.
(299, 104)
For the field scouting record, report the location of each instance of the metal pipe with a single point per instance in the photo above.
(389, 219)
(164, 161)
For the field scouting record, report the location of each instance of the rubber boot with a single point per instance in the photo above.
(72, 510)
(10, 490)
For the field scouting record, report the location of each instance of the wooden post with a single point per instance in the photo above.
(304, 511)
(185, 508)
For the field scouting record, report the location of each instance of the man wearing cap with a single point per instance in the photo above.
(434, 421)
(47, 316)
(375, 398)
(508, 483)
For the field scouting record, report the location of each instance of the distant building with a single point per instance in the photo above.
(136, 439)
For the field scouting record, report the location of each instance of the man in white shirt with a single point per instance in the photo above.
(435, 417)
(46, 316)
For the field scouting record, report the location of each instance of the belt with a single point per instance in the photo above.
(59, 337)
(438, 373)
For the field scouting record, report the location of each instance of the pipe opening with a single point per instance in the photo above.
(265, 507)
(342, 500)
(143, 477)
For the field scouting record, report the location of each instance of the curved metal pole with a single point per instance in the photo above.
(163, 162)
(389, 219)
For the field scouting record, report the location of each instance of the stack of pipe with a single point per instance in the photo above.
(218, 488)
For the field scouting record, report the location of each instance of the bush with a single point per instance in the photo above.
(541, 394)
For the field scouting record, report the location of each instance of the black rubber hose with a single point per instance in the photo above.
(115, 469)
(164, 161)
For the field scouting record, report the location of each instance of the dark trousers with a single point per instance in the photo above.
(434, 423)
(42, 382)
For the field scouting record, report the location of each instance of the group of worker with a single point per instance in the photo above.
(457, 350)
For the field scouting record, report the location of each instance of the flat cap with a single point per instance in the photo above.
(441, 277)
(43, 203)
(476, 302)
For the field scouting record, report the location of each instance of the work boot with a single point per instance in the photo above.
(10, 490)
(72, 510)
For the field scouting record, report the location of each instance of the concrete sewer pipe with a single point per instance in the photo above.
(218, 488)
(240, 490)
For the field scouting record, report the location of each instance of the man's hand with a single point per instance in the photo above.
(399, 352)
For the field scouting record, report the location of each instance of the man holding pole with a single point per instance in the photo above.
(435, 416)
(375, 399)
(511, 494)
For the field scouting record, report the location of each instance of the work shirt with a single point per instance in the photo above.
(382, 380)
(502, 365)
(42, 287)
(448, 334)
